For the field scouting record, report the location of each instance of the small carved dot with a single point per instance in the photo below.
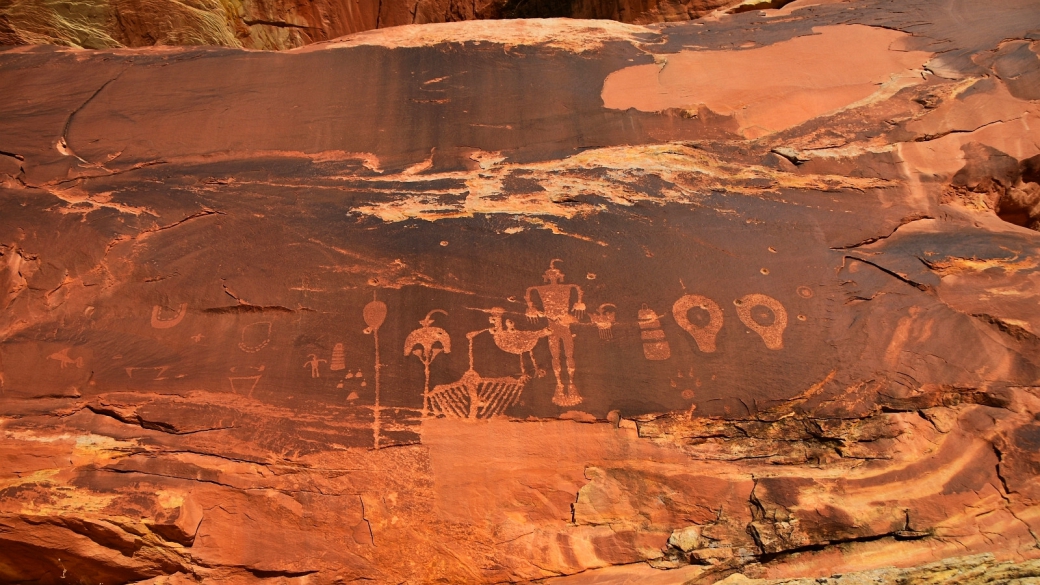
(772, 249)
(801, 317)
(764, 271)
(444, 242)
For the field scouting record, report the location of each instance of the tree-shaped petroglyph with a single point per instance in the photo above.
(423, 343)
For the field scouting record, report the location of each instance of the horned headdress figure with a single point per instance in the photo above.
(427, 339)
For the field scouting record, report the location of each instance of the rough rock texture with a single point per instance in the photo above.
(502, 301)
(283, 24)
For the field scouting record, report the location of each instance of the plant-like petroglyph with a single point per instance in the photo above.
(427, 338)
(556, 308)
(703, 335)
(161, 322)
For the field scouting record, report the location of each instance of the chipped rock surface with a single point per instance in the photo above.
(749, 298)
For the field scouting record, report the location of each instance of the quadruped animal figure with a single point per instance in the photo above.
(512, 340)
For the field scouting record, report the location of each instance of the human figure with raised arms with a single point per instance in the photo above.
(555, 297)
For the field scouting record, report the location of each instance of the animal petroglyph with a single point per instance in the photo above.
(427, 338)
(160, 322)
(255, 337)
(474, 396)
(515, 341)
(655, 347)
(374, 314)
(604, 319)
(772, 334)
(63, 358)
(705, 335)
(313, 363)
(557, 310)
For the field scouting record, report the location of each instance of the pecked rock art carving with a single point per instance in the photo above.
(244, 384)
(339, 360)
(475, 396)
(427, 338)
(556, 308)
(314, 363)
(604, 318)
(63, 359)
(161, 322)
(255, 337)
(509, 339)
(374, 314)
(705, 334)
(773, 333)
(655, 347)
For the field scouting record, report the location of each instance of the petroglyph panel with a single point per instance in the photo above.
(524, 343)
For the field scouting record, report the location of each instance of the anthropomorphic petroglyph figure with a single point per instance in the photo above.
(314, 362)
(558, 311)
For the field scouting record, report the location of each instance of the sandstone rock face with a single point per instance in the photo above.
(756, 297)
(284, 24)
